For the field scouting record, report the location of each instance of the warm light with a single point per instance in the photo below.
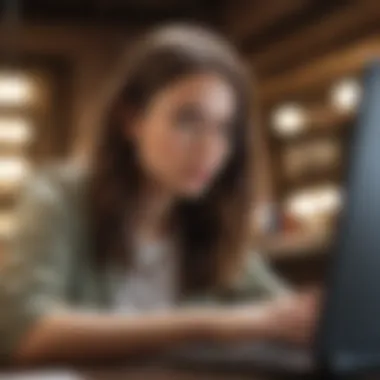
(289, 119)
(316, 201)
(329, 200)
(302, 205)
(346, 94)
(12, 169)
(15, 130)
(15, 89)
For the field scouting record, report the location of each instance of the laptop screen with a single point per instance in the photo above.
(349, 339)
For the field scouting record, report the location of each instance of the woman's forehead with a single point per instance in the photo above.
(210, 92)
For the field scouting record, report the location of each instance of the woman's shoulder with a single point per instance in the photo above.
(67, 174)
(56, 183)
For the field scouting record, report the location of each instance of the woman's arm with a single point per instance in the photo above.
(74, 337)
(78, 336)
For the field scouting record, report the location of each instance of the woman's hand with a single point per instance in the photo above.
(294, 318)
(290, 319)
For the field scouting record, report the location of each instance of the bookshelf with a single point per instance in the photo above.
(34, 128)
(308, 135)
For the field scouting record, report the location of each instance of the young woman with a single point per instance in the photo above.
(138, 253)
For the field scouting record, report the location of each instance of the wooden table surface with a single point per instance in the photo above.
(165, 374)
(119, 373)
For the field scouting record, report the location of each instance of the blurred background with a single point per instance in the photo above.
(306, 57)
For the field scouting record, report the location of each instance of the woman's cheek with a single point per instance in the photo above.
(176, 143)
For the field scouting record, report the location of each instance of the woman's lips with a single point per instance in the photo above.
(201, 176)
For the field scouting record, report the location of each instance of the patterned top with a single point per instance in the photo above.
(48, 267)
(151, 280)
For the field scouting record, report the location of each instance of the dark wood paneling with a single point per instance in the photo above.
(247, 21)
(129, 14)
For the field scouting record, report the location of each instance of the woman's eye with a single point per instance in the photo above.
(188, 117)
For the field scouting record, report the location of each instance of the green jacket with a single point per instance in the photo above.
(47, 265)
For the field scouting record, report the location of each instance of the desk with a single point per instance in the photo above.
(163, 374)
(119, 373)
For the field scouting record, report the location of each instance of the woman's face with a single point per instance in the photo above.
(183, 138)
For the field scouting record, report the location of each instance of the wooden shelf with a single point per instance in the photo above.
(313, 178)
(327, 123)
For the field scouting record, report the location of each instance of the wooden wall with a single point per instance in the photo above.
(295, 48)
(88, 54)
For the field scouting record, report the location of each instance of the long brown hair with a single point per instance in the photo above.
(214, 229)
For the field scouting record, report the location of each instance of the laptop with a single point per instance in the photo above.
(348, 336)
